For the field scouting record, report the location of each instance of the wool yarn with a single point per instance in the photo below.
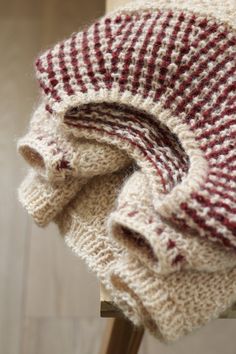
(164, 249)
(44, 200)
(132, 154)
(175, 305)
(172, 64)
(168, 306)
(57, 157)
(82, 224)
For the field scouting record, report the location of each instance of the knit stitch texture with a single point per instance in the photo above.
(177, 66)
(132, 154)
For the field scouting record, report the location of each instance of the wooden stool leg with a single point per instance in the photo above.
(121, 337)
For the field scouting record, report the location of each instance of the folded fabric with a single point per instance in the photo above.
(169, 306)
(164, 249)
(132, 153)
(166, 67)
(174, 305)
(56, 156)
(83, 226)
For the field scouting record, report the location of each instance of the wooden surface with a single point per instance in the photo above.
(120, 336)
(49, 302)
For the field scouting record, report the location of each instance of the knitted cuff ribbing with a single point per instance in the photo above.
(175, 305)
(43, 200)
(137, 226)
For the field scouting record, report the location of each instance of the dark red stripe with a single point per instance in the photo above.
(224, 195)
(195, 58)
(53, 82)
(64, 72)
(110, 39)
(116, 54)
(228, 110)
(225, 185)
(151, 66)
(158, 139)
(99, 55)
(184, 50)
(39, 66)
(227, 176)
(74, 62)
(166, 59)
(226, 163)
(150, 148)
(78, 124)
(192, 213)
(222, 150)
(195, 75)
(215, 131)
(87, 61)
(209, 204)
(197, 107)
(129, 54)
(140, 61)
(219, 141)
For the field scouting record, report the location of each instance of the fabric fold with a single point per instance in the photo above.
(175, 305)
(165, 73)
(82, 224)
(132, 154)
(57, 156)
(164, 249)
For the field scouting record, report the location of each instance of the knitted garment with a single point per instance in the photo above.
(83, 225)
(175, 305)
(164, 72)
(169, 307)
(44, 200)
(132, 154)
(163, 249)
(57, 157)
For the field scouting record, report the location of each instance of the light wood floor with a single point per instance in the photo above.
(49, 302)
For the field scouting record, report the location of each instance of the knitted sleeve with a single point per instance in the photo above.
(159, 245)
(163, 71)
(56, 156)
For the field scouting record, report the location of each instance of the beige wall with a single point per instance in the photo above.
(49, 302)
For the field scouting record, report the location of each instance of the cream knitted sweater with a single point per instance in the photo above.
(132, 154)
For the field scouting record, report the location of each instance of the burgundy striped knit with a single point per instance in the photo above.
(164, 79)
